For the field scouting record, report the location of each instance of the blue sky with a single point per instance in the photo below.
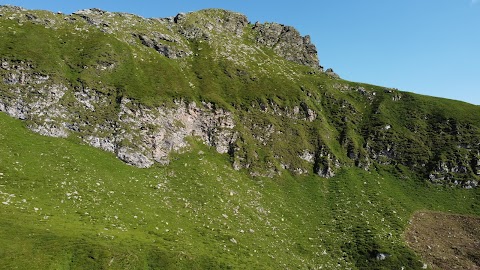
(430, 47)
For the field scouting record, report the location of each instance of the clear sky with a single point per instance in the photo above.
(430, 47)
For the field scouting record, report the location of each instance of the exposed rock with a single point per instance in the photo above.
(331, 73)
(325, 163)
(396, 97)
(90, 11)
(50, 129)
(325, 171)
(133, 157)
(308, 157)
(14, 78)
(210, 22)
(363, 163)
(96, 17)
(31, 17)
(157, 42)
(299, 112)
(139, 135)
(106, 143)
(446, 172)
(5, 65)
(470, 184)
(382, 256)
(12, 8)
(287, 42)
(163, 130)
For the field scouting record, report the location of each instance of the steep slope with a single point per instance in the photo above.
(138, 87)
(248, 154)
(70, 206)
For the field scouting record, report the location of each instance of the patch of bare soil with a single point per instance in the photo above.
(445, 241)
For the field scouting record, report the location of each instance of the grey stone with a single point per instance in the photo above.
(287, 42)
(307, 156)
(31, 17)
(133, 157)
(382, 256)
(155, 42)
(331, 73)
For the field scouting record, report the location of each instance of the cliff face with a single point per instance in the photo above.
(287, 42)
(139, 135)
(140, 88)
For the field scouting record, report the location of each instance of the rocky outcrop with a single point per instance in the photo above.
(331, 73)
(208, 22)
(142, 135)
(301, 112)
(30, 98)
(159, 131)
(137, 134)
(448, 172)
(162, 43)
(325, 163)
(171, 36)
(287, 42)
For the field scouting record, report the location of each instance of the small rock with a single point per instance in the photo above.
(382, 256)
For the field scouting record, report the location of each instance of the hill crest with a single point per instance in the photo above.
(141, 87)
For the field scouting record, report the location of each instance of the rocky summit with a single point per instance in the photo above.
(210, 96)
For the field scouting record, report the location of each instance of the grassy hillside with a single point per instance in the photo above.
(70, 206)
(323, 173)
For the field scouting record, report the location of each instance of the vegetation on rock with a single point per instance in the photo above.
(252, 156)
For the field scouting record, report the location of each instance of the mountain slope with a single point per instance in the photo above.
(69, 206)
(138, 87)
(249, 155)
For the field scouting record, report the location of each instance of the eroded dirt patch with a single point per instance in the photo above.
(445, 241)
